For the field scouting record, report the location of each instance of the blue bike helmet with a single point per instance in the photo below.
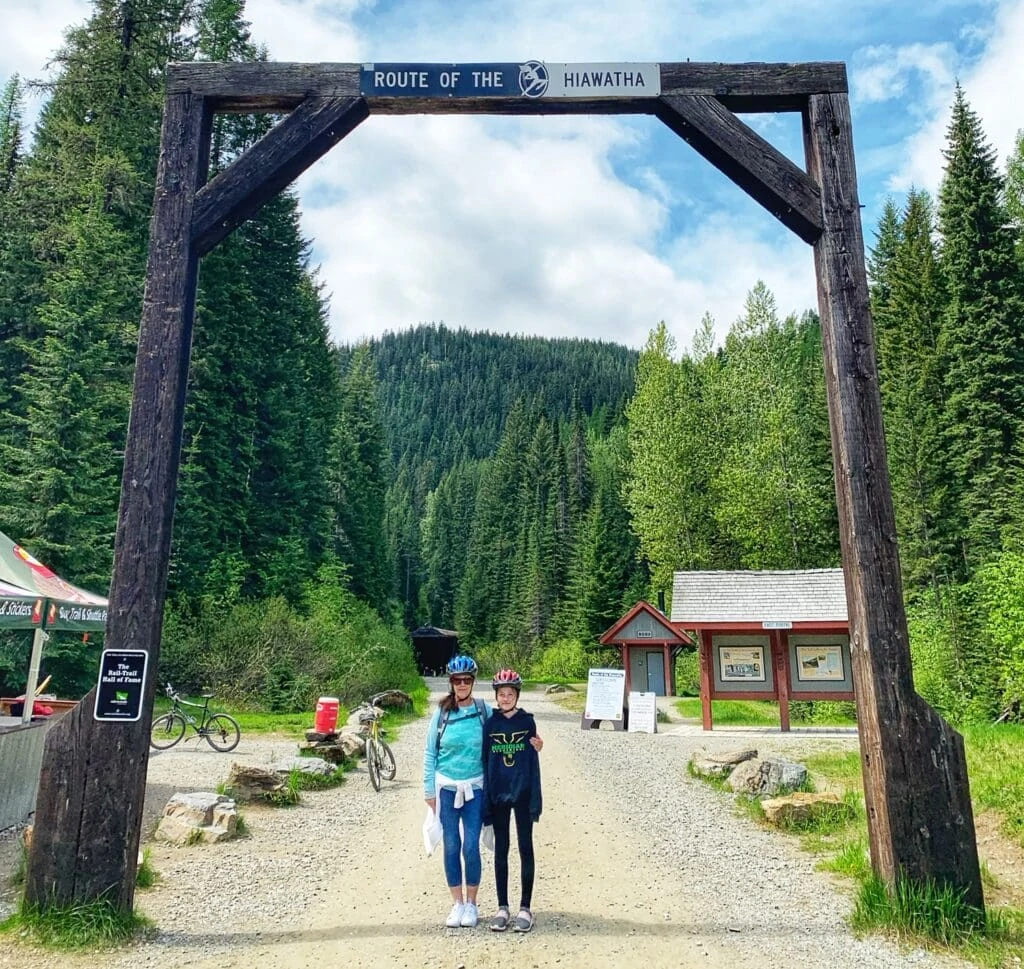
(461, 665)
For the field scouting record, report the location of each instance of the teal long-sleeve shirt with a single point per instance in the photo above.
(460, 754)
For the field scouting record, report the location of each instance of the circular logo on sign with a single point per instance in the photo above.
(533, 79)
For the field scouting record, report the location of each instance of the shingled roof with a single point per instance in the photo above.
(800, 595)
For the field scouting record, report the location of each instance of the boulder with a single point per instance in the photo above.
(307, 765)
(199, 816)
(332, 751)
(801, 807)
(766, 777)
(720, 764)
(253, 783)
(353, 743)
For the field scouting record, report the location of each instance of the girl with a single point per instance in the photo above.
(512, 786)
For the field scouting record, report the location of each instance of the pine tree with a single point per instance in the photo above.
(362, 459)
(81, 204)
(980, 342)
(907, 305)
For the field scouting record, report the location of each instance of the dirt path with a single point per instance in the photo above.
(624, 878)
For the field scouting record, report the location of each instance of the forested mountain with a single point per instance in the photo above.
(445, 393)
(451, 403)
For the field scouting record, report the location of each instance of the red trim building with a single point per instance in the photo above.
(778, 635)
(649, 644)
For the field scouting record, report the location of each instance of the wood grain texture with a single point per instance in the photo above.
(277, 159)
(738, 151)
(89, 807)
(282, 86)
(920, 820)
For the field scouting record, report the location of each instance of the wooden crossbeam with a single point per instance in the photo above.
(277, 159)
(266, 86)
(760, 169)
(755, 87)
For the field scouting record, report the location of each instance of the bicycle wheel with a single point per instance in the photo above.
(166, 731)
(222, 732)
(387, 761)
(373, 764)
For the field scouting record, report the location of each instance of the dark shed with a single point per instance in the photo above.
(433, 648)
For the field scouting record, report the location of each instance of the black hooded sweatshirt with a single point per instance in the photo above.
(511, 765)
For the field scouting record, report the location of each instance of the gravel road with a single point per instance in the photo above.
(637, 864)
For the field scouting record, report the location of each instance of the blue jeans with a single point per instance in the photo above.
(464, 845)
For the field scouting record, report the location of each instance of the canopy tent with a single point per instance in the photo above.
(35, 597)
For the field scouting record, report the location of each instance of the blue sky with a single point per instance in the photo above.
(595, 226)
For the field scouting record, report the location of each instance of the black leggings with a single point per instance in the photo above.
(502, 816)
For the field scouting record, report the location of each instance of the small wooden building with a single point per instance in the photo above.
(649, 644)
(433, 647)
(774, 635)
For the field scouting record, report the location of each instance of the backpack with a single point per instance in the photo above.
(442, 722)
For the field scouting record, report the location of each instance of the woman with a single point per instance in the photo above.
(453, 780)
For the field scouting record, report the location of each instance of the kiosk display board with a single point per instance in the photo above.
(741, 664)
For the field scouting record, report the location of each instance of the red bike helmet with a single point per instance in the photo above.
(507, 678)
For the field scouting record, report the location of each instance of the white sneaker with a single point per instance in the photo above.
(454, 919)
(469, 915)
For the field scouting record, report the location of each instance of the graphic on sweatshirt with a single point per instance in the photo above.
(509, 746)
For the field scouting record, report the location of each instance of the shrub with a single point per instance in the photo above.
(269, 653)
(564, 661)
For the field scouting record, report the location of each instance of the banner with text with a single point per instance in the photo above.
(530, 79)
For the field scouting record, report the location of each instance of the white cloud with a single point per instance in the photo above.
(32, 31)
(516, 226)
(884, 72)
(994, 86)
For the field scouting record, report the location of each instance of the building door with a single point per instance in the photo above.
(656, 672)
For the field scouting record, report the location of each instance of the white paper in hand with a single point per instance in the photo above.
(487, 837)
(431, 832)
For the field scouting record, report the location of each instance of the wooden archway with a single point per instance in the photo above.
(89, 810)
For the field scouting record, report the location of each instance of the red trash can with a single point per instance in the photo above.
(326, 714)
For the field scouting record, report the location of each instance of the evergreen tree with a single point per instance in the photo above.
(362, 460)
(980, 343)
(907, 303)
(81, 204)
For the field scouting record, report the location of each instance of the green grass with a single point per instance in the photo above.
(929, 911)
(743, 713)
(305, 781)
(995, 765)
(755, 713)
(89, 925)
(841, 769)
(146, 875)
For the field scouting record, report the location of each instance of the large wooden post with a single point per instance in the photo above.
(916, 789)
(89, 806)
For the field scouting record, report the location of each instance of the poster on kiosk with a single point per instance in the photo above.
(606, 690)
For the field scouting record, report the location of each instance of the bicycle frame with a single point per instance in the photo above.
(200, 725)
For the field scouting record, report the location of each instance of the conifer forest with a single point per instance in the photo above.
(523, 491)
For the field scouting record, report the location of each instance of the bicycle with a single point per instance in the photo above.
(220, 730)
(380, 761)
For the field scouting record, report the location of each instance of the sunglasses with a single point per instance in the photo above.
(461, 680)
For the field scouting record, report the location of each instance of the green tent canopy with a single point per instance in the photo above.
(33, 596)
(19, 609)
